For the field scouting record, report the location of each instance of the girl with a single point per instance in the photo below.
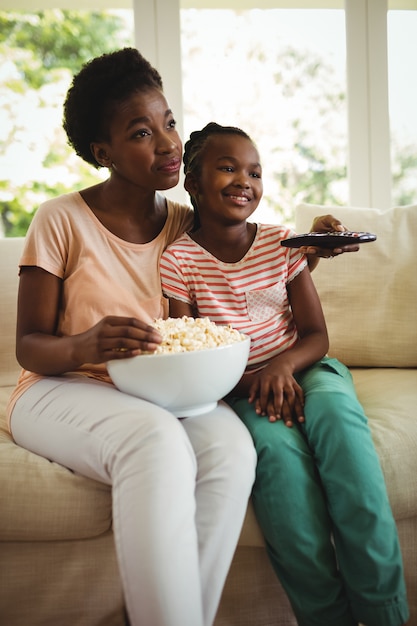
(319, 494)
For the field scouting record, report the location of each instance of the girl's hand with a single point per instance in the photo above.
(115, 337)
(277, 394)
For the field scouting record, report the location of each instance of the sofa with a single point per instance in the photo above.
(58, 564)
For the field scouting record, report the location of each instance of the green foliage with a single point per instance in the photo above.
(58, 39)
(41, 51)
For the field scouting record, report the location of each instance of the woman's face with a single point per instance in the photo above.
(229, 186)
(144, 149)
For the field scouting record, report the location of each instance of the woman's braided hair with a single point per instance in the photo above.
(193, 150)
(101, 84)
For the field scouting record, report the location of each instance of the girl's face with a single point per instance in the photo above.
(144, 149)
(229, 186)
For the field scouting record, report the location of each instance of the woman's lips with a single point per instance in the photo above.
(173, 165)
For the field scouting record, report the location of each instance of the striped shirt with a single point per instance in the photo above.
(250, 295)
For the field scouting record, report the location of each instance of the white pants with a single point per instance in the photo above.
(180, 488)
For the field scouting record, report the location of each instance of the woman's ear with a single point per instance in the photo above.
(100, 154)
(190, 184)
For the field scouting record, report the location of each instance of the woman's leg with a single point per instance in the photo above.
(363, 526)
(145, 454)
(226, 461)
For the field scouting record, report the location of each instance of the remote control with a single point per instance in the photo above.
(330, 240)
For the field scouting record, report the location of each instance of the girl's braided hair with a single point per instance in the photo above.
(193, 150)
(101, 84)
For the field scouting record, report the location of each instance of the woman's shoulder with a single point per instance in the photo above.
(58, 208)
(63, 202)
(180, 218)
(177, 210)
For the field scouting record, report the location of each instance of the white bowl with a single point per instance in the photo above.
(185, 383)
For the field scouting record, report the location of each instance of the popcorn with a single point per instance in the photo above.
(186, 334)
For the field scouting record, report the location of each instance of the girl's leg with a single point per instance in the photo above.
(145, 454)
(363, 526)
(322, 480)
(291, 509)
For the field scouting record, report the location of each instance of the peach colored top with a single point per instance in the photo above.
(101, 274)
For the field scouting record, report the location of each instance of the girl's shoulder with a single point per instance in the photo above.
(277, 231)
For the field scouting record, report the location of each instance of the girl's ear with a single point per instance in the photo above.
(100, 154)
(190, 184)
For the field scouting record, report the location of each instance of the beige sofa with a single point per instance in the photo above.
(57, 558)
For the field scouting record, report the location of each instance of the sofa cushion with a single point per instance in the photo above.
(10, 251)
(370, 297)
(388, 396)
(44, 501)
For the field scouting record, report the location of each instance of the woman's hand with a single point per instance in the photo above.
(39, 349)
(115, 337)
(277, 395)
(325, 224)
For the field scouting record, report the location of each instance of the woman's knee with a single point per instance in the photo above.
(150, 439)
(222, 442)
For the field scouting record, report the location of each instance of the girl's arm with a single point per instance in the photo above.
(177, 308)
(38, 347)
(274, 389)
(309, 319)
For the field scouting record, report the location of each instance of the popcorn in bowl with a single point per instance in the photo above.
(187, 375)
(187, 334)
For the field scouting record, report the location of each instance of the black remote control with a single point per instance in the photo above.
(330, 240)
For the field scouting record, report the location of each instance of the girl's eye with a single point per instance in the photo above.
(227, 168)
(256, 175)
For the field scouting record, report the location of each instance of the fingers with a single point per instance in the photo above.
(120, 338)
(327, 223)
(278, 401)
(325, 253)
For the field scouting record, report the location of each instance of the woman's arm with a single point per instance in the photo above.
(38, 347)
(324, 224)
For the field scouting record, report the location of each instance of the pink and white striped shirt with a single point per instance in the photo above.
(250, 295)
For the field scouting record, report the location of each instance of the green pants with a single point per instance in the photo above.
(321, 501)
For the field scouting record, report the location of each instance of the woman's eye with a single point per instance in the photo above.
(172, 124)
(141, 133)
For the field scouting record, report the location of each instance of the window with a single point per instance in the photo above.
(280, 75)
(402, 50)
(325, 134)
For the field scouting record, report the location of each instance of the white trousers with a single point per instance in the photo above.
(179, 486)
